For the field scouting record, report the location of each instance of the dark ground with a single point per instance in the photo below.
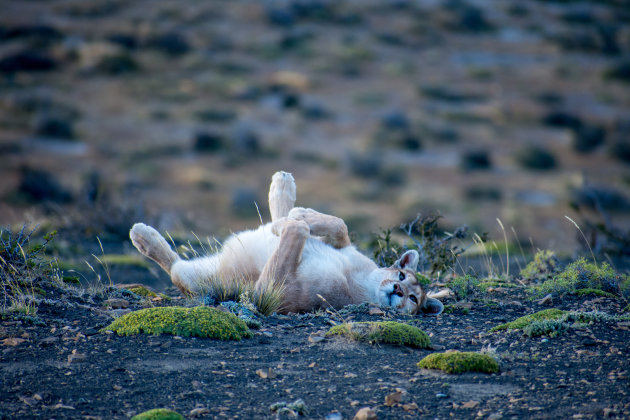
(65, 368)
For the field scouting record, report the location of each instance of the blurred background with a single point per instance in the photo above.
(177, 113)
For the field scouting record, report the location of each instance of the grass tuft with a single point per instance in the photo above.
(459, 362)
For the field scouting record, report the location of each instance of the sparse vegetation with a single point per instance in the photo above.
(199, 321)
(438, 253)
(455, 362)
(536, 158)
(464, 286)
(581, 275)
(158, 414)
(22, 270)
(388, 332)
(553, 322)
(545, 266)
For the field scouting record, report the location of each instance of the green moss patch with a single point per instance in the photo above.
(143, 291)
(524, 321)
(389, 332)
(199, 321)
(158, 414)
(594, 292)
(460, 362)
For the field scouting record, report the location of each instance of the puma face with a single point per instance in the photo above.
(405, 295)
(401, 290)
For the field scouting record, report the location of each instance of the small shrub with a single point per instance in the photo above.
(55, 127)
(207, 142)
(619, 72)
(464, 286)
(158, 414)
(22, 270)
(382, 332)
(588, 138)
(173, 44)
(476, 160)
(582, 274)
(550, 327)
(459, 362)
(199, 321)
(620, 150)
(536, 158)
(544, 267)
(117, 64)
(557, 324)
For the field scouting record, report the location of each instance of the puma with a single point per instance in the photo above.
(307, 252)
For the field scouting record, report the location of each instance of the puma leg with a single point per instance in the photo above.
(282, 267)
(153, 245)
(331, 229)
(281, 195)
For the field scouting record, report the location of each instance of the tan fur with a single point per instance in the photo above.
(307, 252)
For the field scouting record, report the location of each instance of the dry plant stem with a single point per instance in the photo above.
(507, 250)
(519, 247)
(585, 240)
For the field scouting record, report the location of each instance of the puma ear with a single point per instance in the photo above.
(432, 307)
(409, 260)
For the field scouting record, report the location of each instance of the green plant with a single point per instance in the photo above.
(464, 286)
(22, 270)
(158, 414)
(389, 332)
(460, 362)
(544, 267)
(199, 321)
(554, 327)
(522, 322)
(437, 250)
(582, 274)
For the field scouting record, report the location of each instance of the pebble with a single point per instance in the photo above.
(334, 416)
(115, 303)
(366, 413)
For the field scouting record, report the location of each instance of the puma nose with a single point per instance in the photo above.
(398, 290)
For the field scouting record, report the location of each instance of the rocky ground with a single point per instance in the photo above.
(58, 364)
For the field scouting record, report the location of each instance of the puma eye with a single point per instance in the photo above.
(413, 299)
(401, 276)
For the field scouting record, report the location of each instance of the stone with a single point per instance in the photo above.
(115, 303)
(365, 413)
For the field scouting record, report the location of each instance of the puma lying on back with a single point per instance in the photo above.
(308, 252)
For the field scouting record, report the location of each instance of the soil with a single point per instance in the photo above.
(63, 367)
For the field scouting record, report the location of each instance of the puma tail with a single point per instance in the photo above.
(153, 245)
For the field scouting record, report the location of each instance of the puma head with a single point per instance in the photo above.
(401, 290)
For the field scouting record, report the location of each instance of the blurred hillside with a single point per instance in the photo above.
(178, 112)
